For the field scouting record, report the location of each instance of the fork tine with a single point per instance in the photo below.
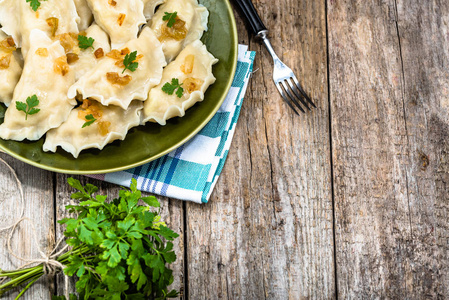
(302, 91)
(297, 93)
(292, 97)
(281, 91)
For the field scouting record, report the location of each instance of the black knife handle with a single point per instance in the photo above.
(250, 13)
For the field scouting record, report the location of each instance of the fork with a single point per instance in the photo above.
(284, 78)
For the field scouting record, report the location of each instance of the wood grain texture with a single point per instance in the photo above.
(423, 28)
(171, 212)
(267, 231)
(389, 137)
(38, 193)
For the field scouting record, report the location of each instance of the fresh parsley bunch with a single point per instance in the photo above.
(120, 249)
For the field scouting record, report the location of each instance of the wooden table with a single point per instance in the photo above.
(350, 200)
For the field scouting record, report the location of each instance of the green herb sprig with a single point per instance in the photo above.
(90, 120)
(35, 4)
(170, 18)
(85, 42)
(169, 88)
(120, 248)
(29, 107)
(130, 62)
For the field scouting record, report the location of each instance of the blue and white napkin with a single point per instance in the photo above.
(191, 171)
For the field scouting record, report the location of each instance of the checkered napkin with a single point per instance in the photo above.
(191, 171)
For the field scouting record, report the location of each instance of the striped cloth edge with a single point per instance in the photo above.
(190, 172)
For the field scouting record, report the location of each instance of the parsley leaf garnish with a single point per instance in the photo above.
(169, 88)
(90, 120)
(85, 42)
(35, 4)
(130, 62)
(29, 107)
(171, 18)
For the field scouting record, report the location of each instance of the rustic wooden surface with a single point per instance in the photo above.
(349, 201)
(388, 63)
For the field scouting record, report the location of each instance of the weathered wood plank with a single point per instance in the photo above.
(38, 192)
(171, 211)
(267, 231)
(391, 216)
(424, 35)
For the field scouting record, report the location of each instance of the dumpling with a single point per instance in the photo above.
(84, 59)
(191, 22)
(120, 19)
(10, 68)
(111, 123)
(85, 14)
(88, 58)
(109, 83)
(53, 17)
(10, 19)
(47, 76)
(193, 69)
(150, 7)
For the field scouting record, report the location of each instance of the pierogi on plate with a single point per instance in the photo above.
(82, 73)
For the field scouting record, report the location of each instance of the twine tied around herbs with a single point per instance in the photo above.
(49, 263)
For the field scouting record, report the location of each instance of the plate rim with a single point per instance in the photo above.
(234, 37)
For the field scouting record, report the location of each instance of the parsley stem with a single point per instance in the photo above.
(13, 273)
(28, 286)
(19, 280)
(31, 275)
(89, 257)
(79, 250)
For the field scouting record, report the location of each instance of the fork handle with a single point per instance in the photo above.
(250, 13)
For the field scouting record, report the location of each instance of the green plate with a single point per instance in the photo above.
(146, 143)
